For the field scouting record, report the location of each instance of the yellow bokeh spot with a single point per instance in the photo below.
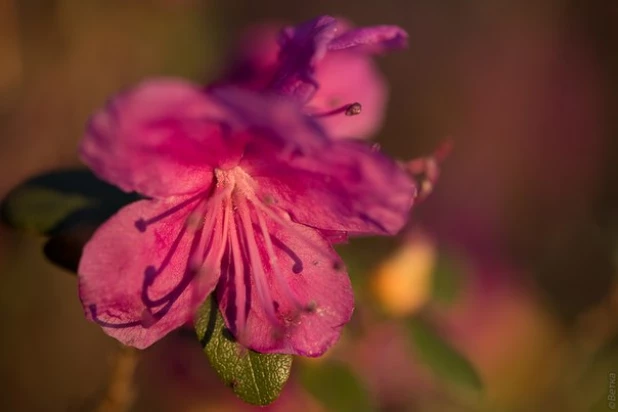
(402, 284)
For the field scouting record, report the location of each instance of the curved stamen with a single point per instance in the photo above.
(95, 318)
(173, 294)
(259, 276)
(336, 263)
(239, 281)
(214, 250)
(151, 273)
(221, 238)
(274, 263)
(350, 109)
(142, 224)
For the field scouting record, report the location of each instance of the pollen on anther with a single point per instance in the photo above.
(354, 109)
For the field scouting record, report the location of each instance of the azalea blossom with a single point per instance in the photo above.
(244, 196)
(326, 66)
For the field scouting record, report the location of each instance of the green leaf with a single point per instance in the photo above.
(447, 277)
(442, 358)
(336, 387)
(68, 206)
(254, 377)
(56, 201)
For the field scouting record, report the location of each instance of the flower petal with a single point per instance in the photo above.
(302, 47)
(274, 117)
(347, 187)
(160, 138)
(134, 276)
(340, 75)
(305, 263)
(373, 39)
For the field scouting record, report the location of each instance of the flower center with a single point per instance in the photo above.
(231, 223)
(236, 180)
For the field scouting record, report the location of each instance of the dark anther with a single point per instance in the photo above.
(150, 274)
(353, 109)
(297, 267)
(269, 200)
(311, 307)
(338, 265)
(141, 225)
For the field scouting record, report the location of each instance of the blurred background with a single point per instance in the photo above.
(511, 260)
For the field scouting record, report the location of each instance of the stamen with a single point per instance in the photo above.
(211, 258)
(207, 233)
(198, 213)
(151, 272)
(286, 224)
(142, 224)
(259, 276)
(239, 281)
(198, 243)
(354, 109)
(274, 264)
(350, 109)
(150, 276)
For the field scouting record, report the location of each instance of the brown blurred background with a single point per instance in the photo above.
(527, 90)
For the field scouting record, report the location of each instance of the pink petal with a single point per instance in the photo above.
(276, 118)
(305, 264)
(339, 76)
(160, 138)
(347, 187)
(114, 264)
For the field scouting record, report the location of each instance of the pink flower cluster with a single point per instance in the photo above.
(247, 183)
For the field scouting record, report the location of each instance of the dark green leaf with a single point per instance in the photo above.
(336, 387)
(68, 206)
(442, 358)
(52, 202)
(256, 378)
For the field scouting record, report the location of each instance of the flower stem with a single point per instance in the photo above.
(120, 393)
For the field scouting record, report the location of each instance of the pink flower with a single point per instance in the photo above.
(245, 196)
(324, 65)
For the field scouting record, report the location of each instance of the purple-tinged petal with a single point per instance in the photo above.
(302, 47)
(160, 138)
(309, 40)
(275, 117)
(348, 187)
(135, 275)
(373, 39)
(305, 269)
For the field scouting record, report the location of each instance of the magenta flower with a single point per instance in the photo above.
(325, 66)
(245, 196)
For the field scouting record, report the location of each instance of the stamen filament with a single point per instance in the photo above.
(350, 109)
(274, 263)
(286, 224)
(142, 224)
(256, 264)
(239, 281)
